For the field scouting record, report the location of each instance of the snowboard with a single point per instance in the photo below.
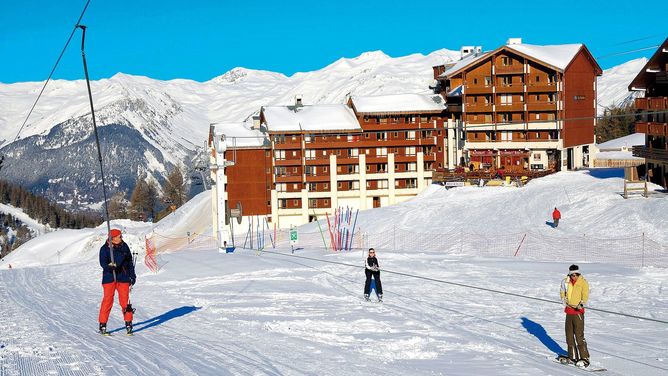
(564, 361)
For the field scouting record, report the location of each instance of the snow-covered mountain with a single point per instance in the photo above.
(613, 84)
(148, 126)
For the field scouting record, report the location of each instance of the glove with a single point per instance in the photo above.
(112, 266)
(579, 307)
(375, 269)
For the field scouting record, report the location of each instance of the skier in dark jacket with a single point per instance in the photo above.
(371, 268)
(117, 275)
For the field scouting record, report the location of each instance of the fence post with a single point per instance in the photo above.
(642, 257)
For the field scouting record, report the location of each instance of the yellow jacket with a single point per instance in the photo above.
(574, 294)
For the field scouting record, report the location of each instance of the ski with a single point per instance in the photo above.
(564, 361)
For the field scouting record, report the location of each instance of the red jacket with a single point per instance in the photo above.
(556, 214)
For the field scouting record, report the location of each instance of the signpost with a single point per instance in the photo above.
(294, 238)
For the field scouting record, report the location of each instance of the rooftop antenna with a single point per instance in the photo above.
(97, 142)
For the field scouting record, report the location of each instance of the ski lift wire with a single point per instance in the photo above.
(76, 25)
(470, 287)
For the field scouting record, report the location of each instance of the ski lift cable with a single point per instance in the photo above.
(470, 287)
(52, 70)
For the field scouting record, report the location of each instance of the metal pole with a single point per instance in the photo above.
(99, 153)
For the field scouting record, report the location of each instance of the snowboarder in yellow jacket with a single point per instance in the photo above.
(575, 294)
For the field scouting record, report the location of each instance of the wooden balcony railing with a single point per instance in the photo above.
(651, 153)
(509, 69)
(478, 107)
(541, 106)
(507, 107)
(653, 103)
(652, 129)
(541, 88)
(478, 89)
(510, 88)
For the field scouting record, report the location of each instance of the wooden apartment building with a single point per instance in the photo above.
(523, 107)
(652, 115)
(372, 152)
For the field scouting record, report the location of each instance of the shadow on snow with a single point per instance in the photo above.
(539, 332)
(159, 320)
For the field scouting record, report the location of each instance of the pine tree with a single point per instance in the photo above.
(174, 188)
(143, 200)
(616, 122)
(118, 206)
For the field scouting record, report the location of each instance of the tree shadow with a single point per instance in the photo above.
(539, 332)
(159, 320)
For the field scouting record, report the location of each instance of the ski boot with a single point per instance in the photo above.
(582, 363)
(380, 298)
(103, 329)
(128, 328)
(366, 297)
(563, 359)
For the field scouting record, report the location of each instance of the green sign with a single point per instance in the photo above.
(294, 237)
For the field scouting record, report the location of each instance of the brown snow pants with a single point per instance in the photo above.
(577, 345)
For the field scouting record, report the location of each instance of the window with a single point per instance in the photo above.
(488, 81)
(550, 97)
(410, 135)
(309, 154)
(326, 201)
(308, 138)
(354, 152)
(506, 99)
(279, 171)
(353, 169)
(395, 119)
(396, 134)
(310, 170)
(383, 184)
(295, 187)
(294, 153)
(340, 185)
(295, 203)
(311, 187)
(366, 119)
(506, 136)
(506, 61)
(537, 79)
(355, 185)
(267, 154)
(506, 81)
(383, 120)
(280, 187)
(381, 152)
(412, 167)
(366, 135)
(381, 136)
(475, 81)
(410, 150)
(294, 170)
(312, 203)
(279, 154)
(282, 203)
(325, 169)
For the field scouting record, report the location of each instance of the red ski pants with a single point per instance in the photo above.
(123, 289)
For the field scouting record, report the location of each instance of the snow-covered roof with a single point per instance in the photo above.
(456, 92)
(466, 61)
(312, 118)
(617, 155)
(623, 142)
(238, 135)
(413, 103)
(558, 56)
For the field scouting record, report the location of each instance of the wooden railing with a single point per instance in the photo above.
(652, 103)
(441, 175)
(651, 128)
(651, 153)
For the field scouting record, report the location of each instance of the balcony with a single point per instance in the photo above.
(478, 107)
(288, 178)
(654, 103)
(541, 88)
(510, 107)
(541, 106)
(509, 69)
(287, 162)
(652, 129)
(510, 88)
(478, 90)
(651, 153)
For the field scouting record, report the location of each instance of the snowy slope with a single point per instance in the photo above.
(207, 313)
(613, 85)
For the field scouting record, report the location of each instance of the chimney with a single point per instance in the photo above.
(465, 51)
(514, 41)
(298, 100)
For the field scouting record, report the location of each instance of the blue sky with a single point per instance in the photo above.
(203, 39)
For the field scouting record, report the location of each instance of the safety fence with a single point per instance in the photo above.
(633, 250)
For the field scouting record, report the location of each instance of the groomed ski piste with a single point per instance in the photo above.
(274, 313)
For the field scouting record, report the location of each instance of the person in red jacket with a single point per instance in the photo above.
(556, 216)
